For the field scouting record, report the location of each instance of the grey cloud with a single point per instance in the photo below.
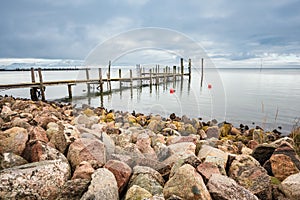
(71, 28)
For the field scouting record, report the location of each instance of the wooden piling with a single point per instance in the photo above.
(41, 84)
(87, 75)
(70, 91)
(202, 72)
(181, 65)
(130, 72)
(33, 90)
(120, 76)
(190, 67)
(165, 73)
(108, 77)
(174, 73)
(100, 80)
(150, 72)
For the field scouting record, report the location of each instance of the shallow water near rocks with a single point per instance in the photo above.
(268, 97)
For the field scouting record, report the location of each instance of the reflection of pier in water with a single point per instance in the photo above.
(164, 84)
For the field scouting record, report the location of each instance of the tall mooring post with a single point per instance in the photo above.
(87, 76)
(42, 89)
(181, 65)
(33, 90)
(202, 72)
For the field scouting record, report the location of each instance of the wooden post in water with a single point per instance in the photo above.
(150, 71)
(87, 78)
(120, 76)
(108, 77)
(130, 77)
(33, 90)
(156, 79)
(100, 86)
(202, 72)
(174, 73)
(190, 67)
(70, 91)
(100, 81)
(41, 84)
(181, 65)
(190, 70)
(165, 73)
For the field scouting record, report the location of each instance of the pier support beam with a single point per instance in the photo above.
(87, 78)
(100, 81)
(70, 91)
(181, 65)
(42, 88)
(202, 72)
(33, 90)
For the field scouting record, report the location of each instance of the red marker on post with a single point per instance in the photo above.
(209, 86)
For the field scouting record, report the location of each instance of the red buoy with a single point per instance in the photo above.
(172, 91)
(209, 86)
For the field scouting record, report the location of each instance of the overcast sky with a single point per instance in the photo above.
(232, 30)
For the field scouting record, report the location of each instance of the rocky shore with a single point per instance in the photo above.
(54, 151)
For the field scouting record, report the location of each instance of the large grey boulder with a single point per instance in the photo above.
(224, 188)
(38, 180)
(103, 186)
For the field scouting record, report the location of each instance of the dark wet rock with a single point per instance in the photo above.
(39, 151)
(73, 189)
(121, 171)
(8, 160)
(103, 186)
(188, 129)
(38, 180)
(224, 188)
(87, 150)
(83, 171)
(247, 172)
(225, 129)
(263, 152)
(13, 140)
(213, 132)
(187, 184)
(147, 178)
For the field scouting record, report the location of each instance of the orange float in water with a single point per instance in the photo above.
(209, 86)
(172, 91)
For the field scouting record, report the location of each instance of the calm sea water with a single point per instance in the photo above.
(267, 97)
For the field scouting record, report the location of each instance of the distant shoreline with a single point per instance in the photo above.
(44, 69)
(208, 68)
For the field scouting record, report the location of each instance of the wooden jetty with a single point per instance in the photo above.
(154, 76)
